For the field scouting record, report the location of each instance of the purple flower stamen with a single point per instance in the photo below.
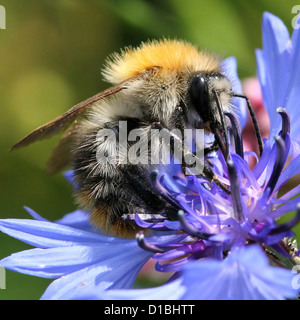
(146, 245)
(279, 164)
(237, 134)
(286, 125)
(235, 192)
(190, 229)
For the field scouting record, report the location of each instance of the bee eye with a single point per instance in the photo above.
(199, 95)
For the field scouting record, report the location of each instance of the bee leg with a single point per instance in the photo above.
(206, 170)
(147, 195)
(211, 176)
(173, 137)
(178, 120)
(171, 213)
(214, 147)
(161, 208)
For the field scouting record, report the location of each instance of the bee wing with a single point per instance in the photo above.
(61, 155)
(62, 122)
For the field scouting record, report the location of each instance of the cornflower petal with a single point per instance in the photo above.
(276, 65)
(237, 278)
(78, 219)
(294, 80)
(229, 67)
(170, 291)
(79, 258)
(43, 234)
(52, 262)
(290, 171)
(116, 268)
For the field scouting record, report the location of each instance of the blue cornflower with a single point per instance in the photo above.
(219, 247)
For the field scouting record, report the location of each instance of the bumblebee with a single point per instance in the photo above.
(167, 84)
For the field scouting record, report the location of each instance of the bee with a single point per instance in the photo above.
(166, 83)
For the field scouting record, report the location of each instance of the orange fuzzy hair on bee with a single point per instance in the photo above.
(173, 55)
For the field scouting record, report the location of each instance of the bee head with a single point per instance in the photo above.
(210, 95)
(202, 88)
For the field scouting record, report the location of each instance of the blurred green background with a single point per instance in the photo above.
(50, 59)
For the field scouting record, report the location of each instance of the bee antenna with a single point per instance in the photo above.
(254, 120)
